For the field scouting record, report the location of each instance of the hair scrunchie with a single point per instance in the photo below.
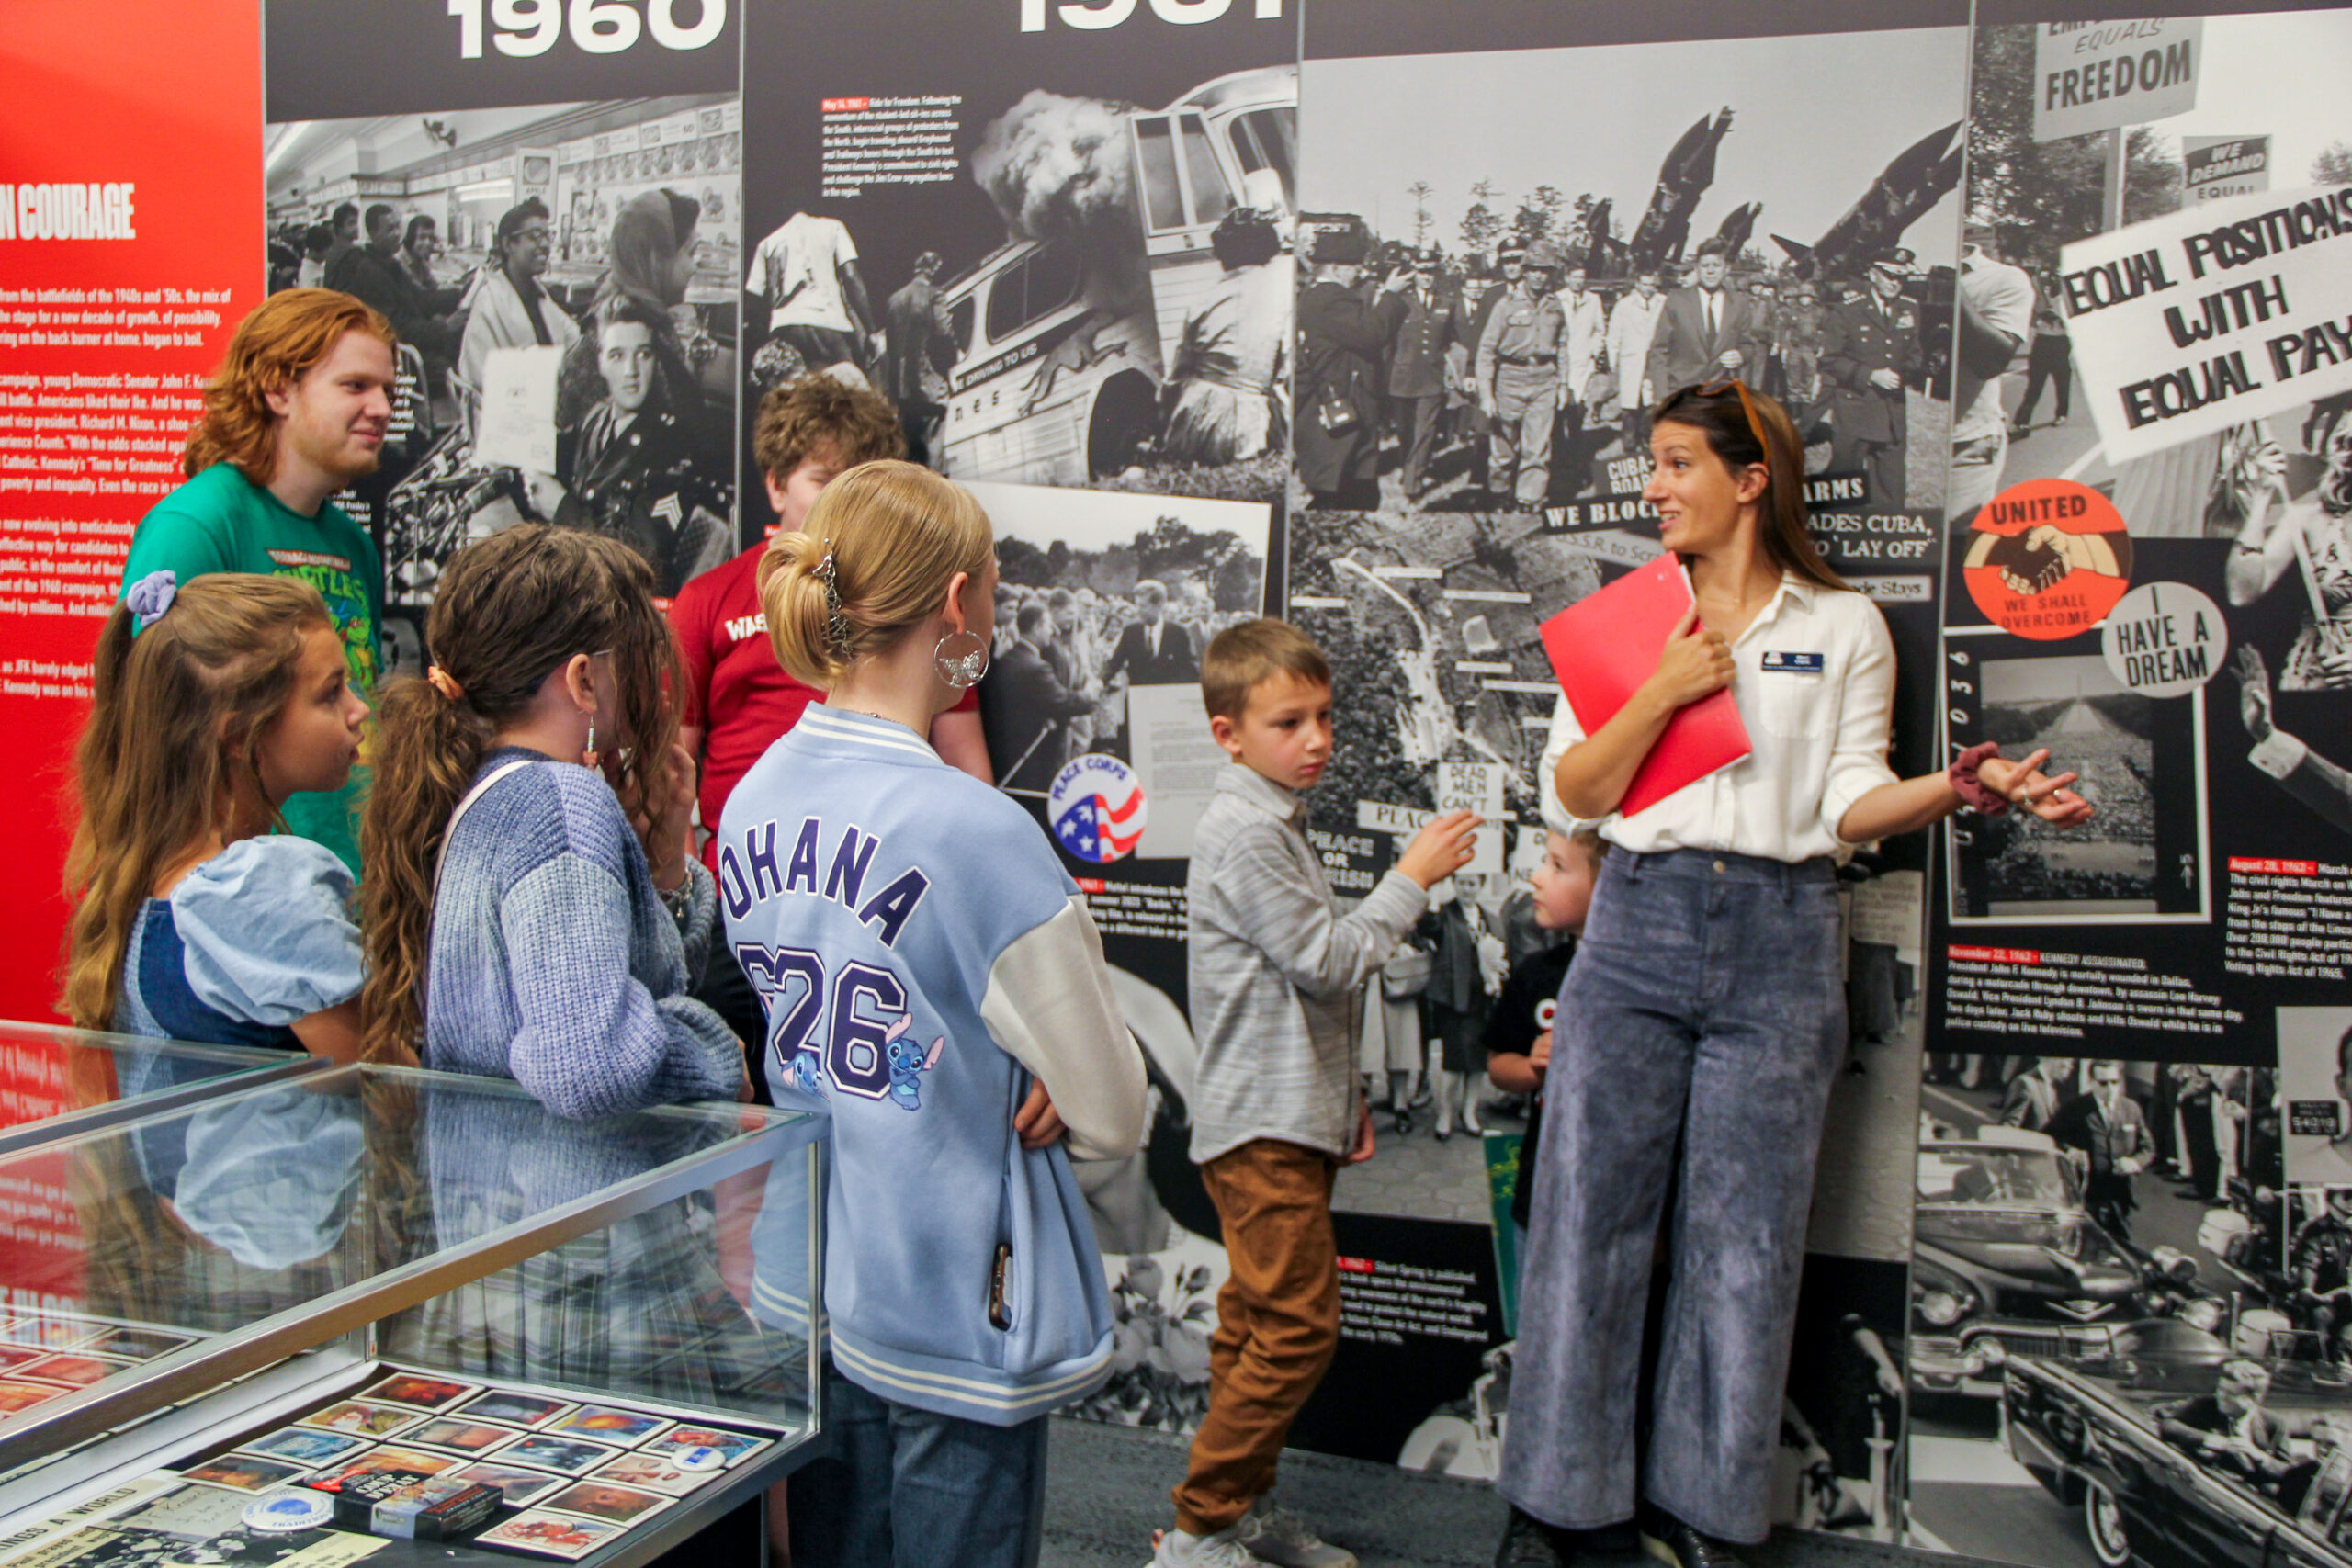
(150, 597)
(444, 683)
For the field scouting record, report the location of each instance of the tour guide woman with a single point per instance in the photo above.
(1701, 1024)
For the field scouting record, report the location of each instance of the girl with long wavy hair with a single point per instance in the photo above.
(531, 909)
(195, 916)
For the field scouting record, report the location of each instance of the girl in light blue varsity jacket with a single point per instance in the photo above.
(931, 979)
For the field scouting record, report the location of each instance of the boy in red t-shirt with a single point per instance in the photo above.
(738, 700)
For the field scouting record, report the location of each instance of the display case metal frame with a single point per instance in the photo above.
(252, 1069)
(156, 1412)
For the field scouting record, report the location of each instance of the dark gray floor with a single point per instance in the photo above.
(1108, 1491)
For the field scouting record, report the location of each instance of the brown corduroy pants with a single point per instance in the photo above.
(1278, 1323)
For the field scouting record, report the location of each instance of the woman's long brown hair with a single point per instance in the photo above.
(1719, 411)
(176, 711)
(510, 612)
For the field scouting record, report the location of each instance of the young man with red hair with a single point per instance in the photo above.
(297, 411)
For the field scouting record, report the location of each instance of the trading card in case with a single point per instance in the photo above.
(515, 1409)
(553, 1535)
(610, 1424)
(522, 1487)
(415, 1463)
(16, 1393)
(77, 1369)
(361, 1420)
(305, 1446)
(466, 1436)
(423, 1393)
(655, 1474)
(677, 1444)
(245, 1472)
(136, 1344)
(545, 1451)
(603, 1500)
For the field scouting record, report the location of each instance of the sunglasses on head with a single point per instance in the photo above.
(1746, 406)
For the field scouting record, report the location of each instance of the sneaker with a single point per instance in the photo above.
(1175, 1549)
(1677, 1545)
(1271, 1533)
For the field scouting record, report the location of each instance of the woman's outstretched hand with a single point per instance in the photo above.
(2024, 784)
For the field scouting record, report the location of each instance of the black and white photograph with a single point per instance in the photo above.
(1841, 1456)
(2033, 415)
(1067, 264)
(563, 279)
(2140, 762)
(2315, 1078)
(2099, 1243)
(1497, 293)
(1102, 601)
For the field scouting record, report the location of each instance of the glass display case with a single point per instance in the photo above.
(56, 1082)
(299, 1289)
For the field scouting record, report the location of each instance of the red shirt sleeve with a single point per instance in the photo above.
(691, 614)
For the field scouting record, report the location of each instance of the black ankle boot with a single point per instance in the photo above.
(1678, 1545)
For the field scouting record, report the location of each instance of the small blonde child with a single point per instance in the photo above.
(1519, 1032)
(194, 916)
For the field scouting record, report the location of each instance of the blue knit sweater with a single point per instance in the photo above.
(554, 961)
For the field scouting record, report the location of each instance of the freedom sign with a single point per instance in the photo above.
(2101, 76)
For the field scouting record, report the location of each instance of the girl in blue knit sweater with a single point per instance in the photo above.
(193, 920)
(531, 910)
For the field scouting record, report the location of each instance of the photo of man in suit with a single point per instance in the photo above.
(1153, 649)
(1708, 330)
(2229, 1428)
(2032, 1097)
(1027, 708)
(2106, 1129)
(1421, 322)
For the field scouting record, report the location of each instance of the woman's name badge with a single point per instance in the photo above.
(1794, 663)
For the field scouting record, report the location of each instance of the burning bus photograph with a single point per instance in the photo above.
(1068, 266)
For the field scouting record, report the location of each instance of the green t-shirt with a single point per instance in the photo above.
(220, 521)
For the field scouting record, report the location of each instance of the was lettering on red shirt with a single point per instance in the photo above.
(736, 691)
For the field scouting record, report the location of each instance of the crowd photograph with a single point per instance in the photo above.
(1484, 325)
(567, 325)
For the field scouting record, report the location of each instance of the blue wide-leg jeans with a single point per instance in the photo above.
(1705, 1014)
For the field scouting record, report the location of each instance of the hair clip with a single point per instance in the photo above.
(836, 624)
(150, 597)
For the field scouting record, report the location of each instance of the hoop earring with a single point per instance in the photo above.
(962, 668)
(589, 756)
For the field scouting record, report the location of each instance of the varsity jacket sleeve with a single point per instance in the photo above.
(1049, 1005)
(1276, 906)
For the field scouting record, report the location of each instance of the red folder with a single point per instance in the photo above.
(1606, 644)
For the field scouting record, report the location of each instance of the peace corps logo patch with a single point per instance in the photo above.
(1097, 808)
